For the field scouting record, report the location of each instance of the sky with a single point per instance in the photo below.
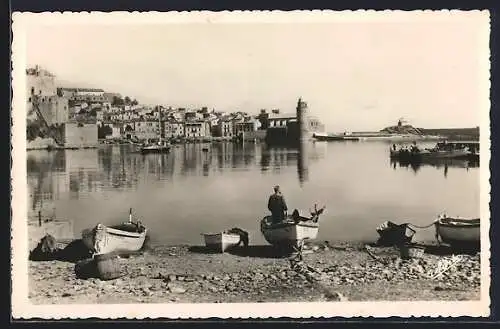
(354, 75)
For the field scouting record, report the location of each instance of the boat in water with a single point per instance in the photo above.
(157, 147)
(441, 151)
(126, 237)
(160, 147)
(293, 231)
(333, 137)
(458, 231)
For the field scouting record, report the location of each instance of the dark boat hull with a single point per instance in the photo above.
(155, 150)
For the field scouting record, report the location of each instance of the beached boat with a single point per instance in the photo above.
(293, 231)
(126, 237)
(458, 231)
(221, 241)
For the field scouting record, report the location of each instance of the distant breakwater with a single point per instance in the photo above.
(455, 133)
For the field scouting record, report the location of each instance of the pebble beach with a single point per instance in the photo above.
(191, 274)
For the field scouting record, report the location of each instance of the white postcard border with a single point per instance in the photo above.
(22, 308)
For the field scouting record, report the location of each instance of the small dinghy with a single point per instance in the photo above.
(458, 231)
(223, 241)
(293, 231)
(126, 237)
(394, 234)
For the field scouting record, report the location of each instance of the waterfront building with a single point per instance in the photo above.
(197, 129)
(246, 126)
(147, 129)
(314, 125)
(116, 130)
(278, 119)
(178, 129)
(99, 115)
(224, 128)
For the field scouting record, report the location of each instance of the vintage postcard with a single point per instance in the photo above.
(250, 164)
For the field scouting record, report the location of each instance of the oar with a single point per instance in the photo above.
(130, 216)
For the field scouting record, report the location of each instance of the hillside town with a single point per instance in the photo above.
(83, 117)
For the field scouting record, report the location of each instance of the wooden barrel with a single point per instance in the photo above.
(107, 266)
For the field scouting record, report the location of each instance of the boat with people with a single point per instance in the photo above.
(442, 150)
(293, 231)
(125, 237)
(458, 231)
(159, 147)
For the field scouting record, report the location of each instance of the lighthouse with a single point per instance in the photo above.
(303, 135)
(301, 113)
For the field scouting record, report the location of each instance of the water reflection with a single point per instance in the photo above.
(438, 164)
(227, 186)
(78, 173)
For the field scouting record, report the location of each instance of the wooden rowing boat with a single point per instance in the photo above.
(126, 237)
(221, 241)
(293, 231)
(458, 231)
(288, 232)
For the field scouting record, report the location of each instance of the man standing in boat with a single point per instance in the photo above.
(277, 205)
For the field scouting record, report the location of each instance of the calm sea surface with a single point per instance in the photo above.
(187, 192)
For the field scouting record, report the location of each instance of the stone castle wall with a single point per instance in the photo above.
(79, 135)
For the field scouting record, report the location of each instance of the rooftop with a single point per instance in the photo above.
(282, 115)
(82, 89)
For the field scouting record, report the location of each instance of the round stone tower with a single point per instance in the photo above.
(303, 136)
(302, 119)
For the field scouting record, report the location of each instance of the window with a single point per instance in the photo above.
(32, 90)
(29, 99)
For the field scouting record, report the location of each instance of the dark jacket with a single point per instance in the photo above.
(277, 204)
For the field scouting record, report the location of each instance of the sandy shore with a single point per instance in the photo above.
(185, 274)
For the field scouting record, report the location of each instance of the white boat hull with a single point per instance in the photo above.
(288, 233)
(221, 241)
(459, 233)
(103, 240)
